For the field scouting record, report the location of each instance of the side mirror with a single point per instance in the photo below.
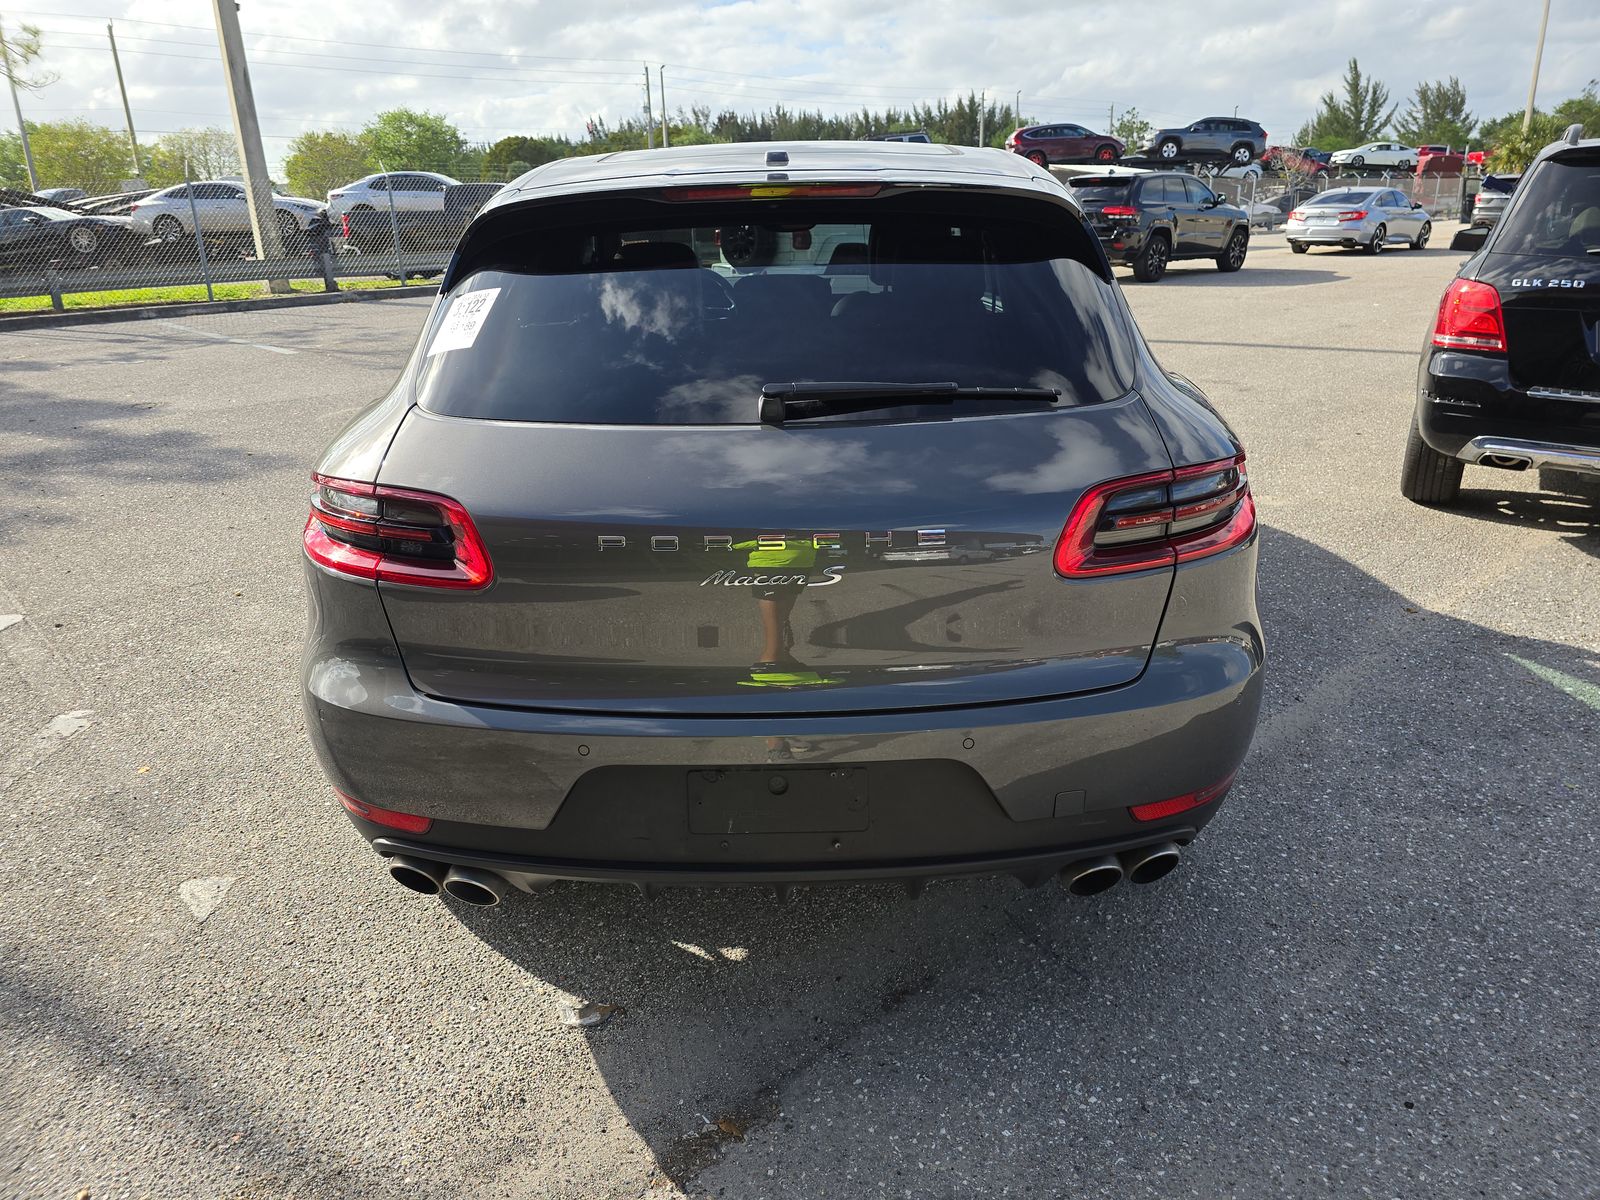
(1416, 204)
(1471, 240)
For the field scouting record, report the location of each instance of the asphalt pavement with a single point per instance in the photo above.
(1375, 974)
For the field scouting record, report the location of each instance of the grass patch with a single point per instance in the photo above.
(186, 293)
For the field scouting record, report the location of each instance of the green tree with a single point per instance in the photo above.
(1131, 128)
(505, 155)
(210, 153)
(1583, 109)
(1514, 150)
(1360, 115)
(403, 139)
(318, 162)
(69, 154)
(1437, 115)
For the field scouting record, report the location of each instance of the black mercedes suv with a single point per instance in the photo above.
(1510, 377)
(1147, 220)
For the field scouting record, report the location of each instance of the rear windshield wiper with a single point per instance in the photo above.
(782, 402)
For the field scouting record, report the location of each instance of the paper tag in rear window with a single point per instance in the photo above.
(460, 326)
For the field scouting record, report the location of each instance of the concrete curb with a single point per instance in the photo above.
(155, 312)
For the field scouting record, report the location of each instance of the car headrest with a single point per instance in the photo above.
(915, 243)
(1586, 226)
(653, 256)
(848, 258)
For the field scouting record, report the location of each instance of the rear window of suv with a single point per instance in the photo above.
(1558, 211)
(682, 320)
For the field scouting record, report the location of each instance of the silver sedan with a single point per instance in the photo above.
(1371, 218)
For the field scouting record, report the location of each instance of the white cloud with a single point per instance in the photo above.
(1070, 59)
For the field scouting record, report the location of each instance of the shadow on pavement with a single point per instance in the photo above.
(1390, 882)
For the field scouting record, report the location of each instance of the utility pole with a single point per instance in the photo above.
(649, 112)
(247, 129)
(665, 139)
(1111, 118)
(1017, 111)
(133, 140)
(983, 113)
(1533, 87)
(27, 150)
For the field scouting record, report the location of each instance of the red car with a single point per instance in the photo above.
(1046, 144)
(1289, 158)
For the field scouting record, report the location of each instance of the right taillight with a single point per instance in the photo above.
(1119, 210)
(394, 535)
(1157, 520)
(1296, 215)
(1470, 318)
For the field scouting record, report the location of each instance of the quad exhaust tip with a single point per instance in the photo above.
(1149, 863)
(1092, 876)
(469, 885)
(418, 874)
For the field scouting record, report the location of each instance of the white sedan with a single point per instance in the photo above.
(220, 205)
(1376, 154)
(403, 191)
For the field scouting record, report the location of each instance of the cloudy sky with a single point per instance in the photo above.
(498, 67)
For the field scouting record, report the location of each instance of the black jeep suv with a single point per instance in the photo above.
(1146, 220)
(1510, 377)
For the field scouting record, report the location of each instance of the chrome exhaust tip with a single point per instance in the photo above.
(1149, 863)
(469, 885)
(418, 874)
(1506, 462)
(1091, 876)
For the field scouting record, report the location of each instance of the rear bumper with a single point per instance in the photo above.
(1327, 235)
(1021, 787)
(1469, 407)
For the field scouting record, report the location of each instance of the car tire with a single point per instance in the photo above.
(1105, 154)
(1298, 247)
(1037, 158)
(1242, 154)
(1426, 476)
(1379, 239)
(1358, 161)
(1403, 165)
(1423, 235)
(168, 228)
(1168, 150)
(1150, 264)
(288, 228)
(1233, 254)
(747, 245)
(1569, 483)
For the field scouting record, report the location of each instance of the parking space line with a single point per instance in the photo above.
(219, 337)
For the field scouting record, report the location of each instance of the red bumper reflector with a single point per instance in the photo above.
(1156, 810)
(405, 822)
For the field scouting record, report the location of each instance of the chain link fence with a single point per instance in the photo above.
(109, 244)
(1269, 196)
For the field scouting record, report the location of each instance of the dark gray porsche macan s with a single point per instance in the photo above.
(889, 552)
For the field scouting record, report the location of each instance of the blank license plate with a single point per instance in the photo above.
(778, 800)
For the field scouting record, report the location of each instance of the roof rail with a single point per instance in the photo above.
(1573, 135)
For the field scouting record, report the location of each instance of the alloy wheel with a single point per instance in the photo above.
(1424, 235)
(1241, 155)
(83, 239)
(1168, 150)
(1236, 249)
(168, 228)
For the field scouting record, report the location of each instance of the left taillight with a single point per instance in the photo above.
(393, 819)
(394, 535)
(1157, 520)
